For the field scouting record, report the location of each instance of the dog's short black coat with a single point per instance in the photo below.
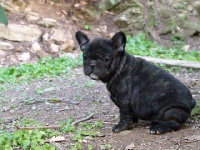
(140, 89)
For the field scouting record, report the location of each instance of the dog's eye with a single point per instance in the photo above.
(85, 57)
(106, 59)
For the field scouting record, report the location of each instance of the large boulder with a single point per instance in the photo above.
(20, 33)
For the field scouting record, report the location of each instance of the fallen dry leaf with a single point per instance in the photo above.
(56, 139)
(84, 2)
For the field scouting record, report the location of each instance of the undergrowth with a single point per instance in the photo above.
(37, 139)
(45, 67)
(140, 45)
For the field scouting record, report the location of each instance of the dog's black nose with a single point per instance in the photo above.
(92, 63)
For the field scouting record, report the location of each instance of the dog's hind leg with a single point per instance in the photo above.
(171, 120)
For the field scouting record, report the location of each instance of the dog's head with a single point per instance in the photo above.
(101, 56)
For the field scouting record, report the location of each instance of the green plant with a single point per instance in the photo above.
(3, 16)
(87, 27)
(140, 45)
(26, 139)
(44, 67)
(106, 146)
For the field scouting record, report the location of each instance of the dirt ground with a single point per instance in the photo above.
(80, 96)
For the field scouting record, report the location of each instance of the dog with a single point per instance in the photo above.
(138, 88)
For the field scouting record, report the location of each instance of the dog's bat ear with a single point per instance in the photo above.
(118, 41)
(81, 38)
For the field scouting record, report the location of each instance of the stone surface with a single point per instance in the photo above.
(24, 56)
(10, 7)
(68, 46)
(87, 14)
(45, 37)
(35, 47)
(2, 53)
(32, 16)
(20, 33)
(12, 59)
(60, 36)
(42, 53)
(47, 22)
(54, 48)
(6, 46)
(133, 17)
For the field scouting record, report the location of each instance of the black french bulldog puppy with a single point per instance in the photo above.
(140, 89)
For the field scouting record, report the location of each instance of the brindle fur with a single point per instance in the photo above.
(138, 88)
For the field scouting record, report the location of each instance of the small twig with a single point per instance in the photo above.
(32, 128)
(83, 119)
(111, 123)
(54, 127)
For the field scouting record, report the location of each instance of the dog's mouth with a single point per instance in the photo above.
(94, 77)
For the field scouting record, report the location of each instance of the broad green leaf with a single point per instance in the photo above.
(3, 16)
(26, 143)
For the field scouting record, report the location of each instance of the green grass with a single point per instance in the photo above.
(46, 67)
(140, 45)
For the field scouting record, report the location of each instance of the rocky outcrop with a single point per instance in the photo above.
(161, 19)
(20, 33)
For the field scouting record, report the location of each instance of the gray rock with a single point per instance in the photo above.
(16, 32)
(24, 56)
(2, 53)
(6, 46)
(60, 36)
(35, 47)
(8, 6)
(42, 53)
(54, 48)
(32, 16)
(68, 46)
(190, 8)
(45, 37)
(132, 16)
(47, 22)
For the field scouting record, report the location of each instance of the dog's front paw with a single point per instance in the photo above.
(121, 126)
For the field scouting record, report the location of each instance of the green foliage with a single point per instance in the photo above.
(78, 132)
(3, 17)
(106, 146)
(26, 139)
(140, 45)
(87, 27)
(35, 139)
(43, 68)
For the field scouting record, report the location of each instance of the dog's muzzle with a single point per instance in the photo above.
(94, 77)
